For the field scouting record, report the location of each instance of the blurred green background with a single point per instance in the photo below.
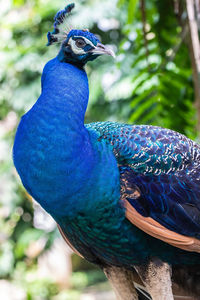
(149, 82)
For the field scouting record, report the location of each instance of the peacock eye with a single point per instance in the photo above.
(80, 43)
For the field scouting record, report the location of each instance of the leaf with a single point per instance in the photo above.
(120, 2)
(29, 235)
(144, 107)
(18, 2)
(131, 10)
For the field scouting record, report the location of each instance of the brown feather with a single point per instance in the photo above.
(68, 242)
(155, 229)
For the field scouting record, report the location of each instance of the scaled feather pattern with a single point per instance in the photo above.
(74, 172)
(165, 166)
(85, 174)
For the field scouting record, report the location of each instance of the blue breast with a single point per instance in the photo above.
(53, 152)
(74, 175)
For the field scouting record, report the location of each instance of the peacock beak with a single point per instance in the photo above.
(101, 49)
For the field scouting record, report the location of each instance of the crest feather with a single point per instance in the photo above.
(59, 33)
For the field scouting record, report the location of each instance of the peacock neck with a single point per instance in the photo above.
(65, 93)
(52, 151)
(61, 163)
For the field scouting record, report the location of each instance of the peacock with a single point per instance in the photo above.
(125, 197)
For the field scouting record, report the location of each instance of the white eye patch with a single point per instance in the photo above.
(77, 50)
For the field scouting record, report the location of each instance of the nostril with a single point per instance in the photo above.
(101, 46)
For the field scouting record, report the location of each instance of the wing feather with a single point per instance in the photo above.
(158, 231)
(160, 180)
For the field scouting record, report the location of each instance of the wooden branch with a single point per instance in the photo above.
(194, 47)
(176, 7)
(197, 6)
(177, 46)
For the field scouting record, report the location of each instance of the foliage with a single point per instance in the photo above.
(150, 82)
(162, 87)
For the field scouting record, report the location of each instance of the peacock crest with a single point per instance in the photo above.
(61, 27)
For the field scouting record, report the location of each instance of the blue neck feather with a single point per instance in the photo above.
(58, 160)
(62, 83)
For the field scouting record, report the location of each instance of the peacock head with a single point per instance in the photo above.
(77, 46)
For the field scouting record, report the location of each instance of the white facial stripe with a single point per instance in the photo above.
(77, 50)
(86, 40)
